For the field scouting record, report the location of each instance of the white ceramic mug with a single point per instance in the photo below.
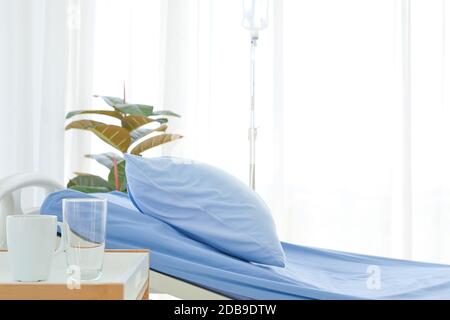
(31, 245)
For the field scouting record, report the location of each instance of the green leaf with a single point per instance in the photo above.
(135, 109)
(105, 159)
(121, 174)
(139, 133)
(154, 142)
(114, 114)
(162, 120)
(89, 182)
(85, 189)
(111, 101)
(142, 132)
(115, 136)
(165, 113)
(144, 110)
(133, 122)
(83, 124)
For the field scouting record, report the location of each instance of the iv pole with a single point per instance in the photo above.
(252, 131)
(255, 19)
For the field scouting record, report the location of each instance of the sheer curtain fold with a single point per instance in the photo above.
(32, 86)
(79, 79)
(45, 70)
(430, 120)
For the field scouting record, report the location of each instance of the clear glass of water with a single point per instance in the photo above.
(85, 222)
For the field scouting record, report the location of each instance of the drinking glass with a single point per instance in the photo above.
(85, 223)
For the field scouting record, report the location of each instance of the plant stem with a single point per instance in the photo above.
(116, 174)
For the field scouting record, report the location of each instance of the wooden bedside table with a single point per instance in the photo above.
(125, 277)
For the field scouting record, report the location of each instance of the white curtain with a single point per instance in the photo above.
(79, 77)
(32, 86)
(45, 71)
(352, 105)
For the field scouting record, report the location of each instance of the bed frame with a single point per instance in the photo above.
(10, 203)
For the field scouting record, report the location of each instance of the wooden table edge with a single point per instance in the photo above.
(142, 295)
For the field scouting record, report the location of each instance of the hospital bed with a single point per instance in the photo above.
(10, 203)
(185, 268)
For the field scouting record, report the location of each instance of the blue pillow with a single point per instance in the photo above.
(207, 204)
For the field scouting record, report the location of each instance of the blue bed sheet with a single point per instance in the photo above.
(309, 273)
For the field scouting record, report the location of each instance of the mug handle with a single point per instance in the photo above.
(62, 243)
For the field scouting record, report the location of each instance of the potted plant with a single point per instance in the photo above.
(130, 135)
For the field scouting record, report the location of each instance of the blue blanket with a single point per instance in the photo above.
(309, 273)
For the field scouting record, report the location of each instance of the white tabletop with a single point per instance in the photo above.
(117, 268)
(129, 269)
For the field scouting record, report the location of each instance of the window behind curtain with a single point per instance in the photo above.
(330, 107)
